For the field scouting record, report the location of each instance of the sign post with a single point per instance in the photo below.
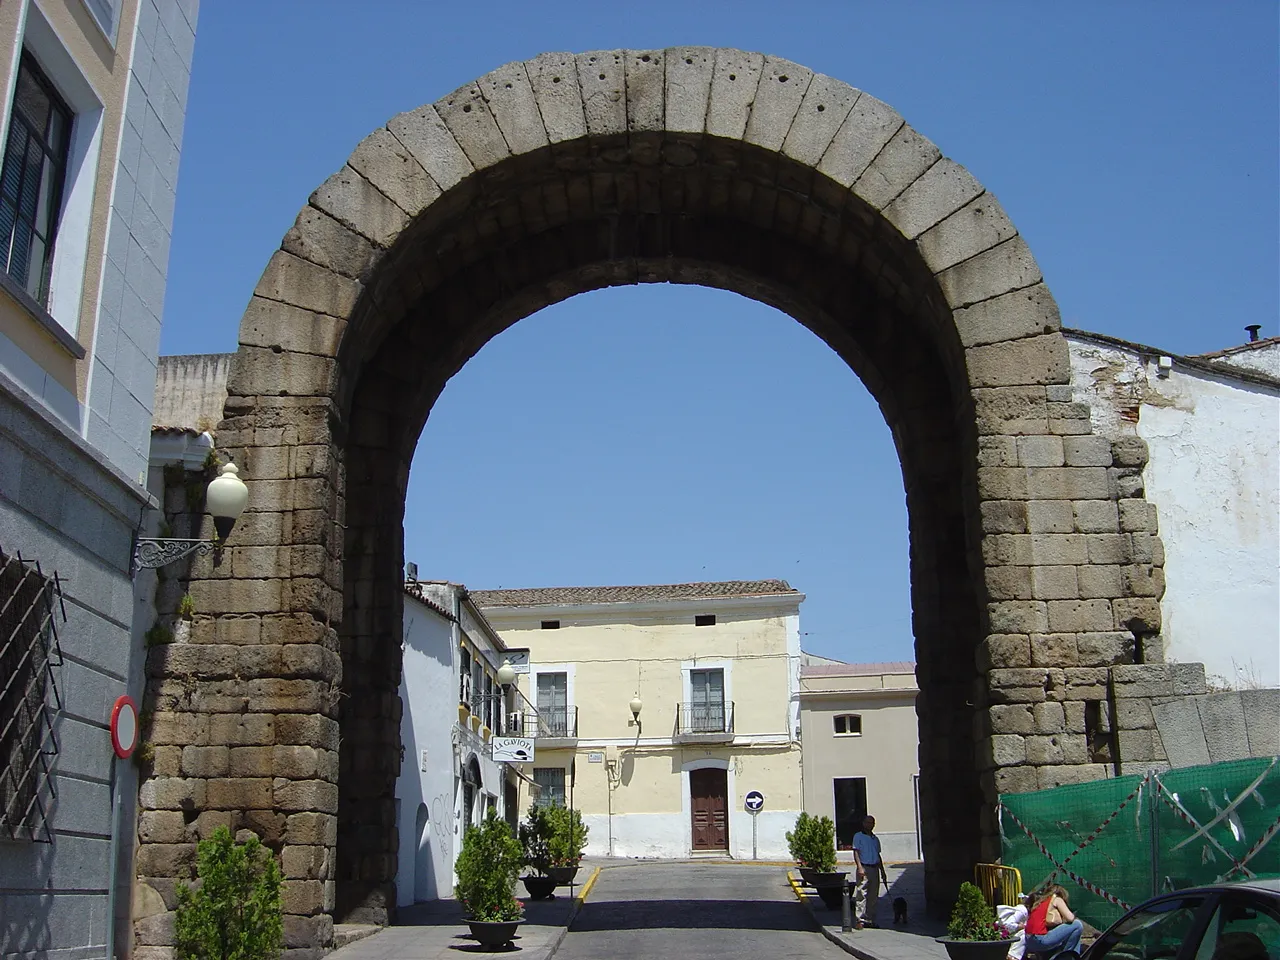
(754, 803)
(124, 739)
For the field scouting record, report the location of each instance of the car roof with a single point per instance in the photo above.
(1269, 885)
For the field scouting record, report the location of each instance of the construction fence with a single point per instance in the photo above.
(1114, 843)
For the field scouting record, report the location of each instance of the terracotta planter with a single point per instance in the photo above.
(976, 949)
(563, 876)
(540, 888)
(494, 933)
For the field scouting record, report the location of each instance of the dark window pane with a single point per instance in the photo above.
(31, 99)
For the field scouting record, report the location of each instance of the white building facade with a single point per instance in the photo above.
(453, 706)
(1212, 426)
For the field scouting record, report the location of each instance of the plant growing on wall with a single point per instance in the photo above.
(487, 866)
(812, 842)
(235, 912)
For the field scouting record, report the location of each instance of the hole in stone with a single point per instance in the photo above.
(783, 79)
(467, 108)
(645, 58)
(1047, 328)
(508, 86)
(276, 348)
(733, 76)
(821, 108)
(555, 79)
(688, 59)
(602, 76)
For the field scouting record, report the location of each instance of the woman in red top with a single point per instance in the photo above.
(1055, 939)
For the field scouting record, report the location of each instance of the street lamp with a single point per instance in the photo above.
(506, 674)
(225, 500)
(636, 705)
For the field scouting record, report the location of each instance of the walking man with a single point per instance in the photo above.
(866, 853)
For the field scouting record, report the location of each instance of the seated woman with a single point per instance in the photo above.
(1051, 927)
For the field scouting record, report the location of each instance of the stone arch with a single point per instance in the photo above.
(567, 173)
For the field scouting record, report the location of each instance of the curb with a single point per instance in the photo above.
(835, 938)
(578, 901)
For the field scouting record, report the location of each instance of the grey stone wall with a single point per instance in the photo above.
(127, 342)
(62, 507)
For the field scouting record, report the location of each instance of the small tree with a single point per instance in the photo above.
(535, 833)
(234, 913)
(812, 843)
(488, 864)
(972, 917)
(567, 838)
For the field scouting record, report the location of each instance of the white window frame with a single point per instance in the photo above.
(566, 668)
(847, 732)
(71, 242)
(724, 666)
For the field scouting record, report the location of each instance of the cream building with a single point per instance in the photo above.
(660, 708)
(92, 106)
(860, 750)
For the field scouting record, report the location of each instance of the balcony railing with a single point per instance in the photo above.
(705, 721)
(559, 723)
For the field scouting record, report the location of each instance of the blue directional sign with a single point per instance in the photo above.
(755, 801)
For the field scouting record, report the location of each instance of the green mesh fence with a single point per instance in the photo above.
(1114, 843)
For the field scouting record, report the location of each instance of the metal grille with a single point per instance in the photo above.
(29, 699)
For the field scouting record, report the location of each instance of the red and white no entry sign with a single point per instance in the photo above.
(124, 727)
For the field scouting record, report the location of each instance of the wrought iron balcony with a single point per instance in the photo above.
(704, 722)
(559, 723)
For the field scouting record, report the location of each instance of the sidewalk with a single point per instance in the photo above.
(436, 930)
(914, 941)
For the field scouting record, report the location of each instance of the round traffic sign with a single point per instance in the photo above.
(755, 801)
(124, 727)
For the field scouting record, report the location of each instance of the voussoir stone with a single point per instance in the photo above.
(554, 78)
(939, 192)
(510, 96)
(472, 124)
(782, 87)
(977, 226)
(602, 78)
(821, 114)
(688, 88)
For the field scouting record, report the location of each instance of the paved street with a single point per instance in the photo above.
(704, 910)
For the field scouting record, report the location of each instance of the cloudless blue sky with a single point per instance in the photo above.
(1134, 145)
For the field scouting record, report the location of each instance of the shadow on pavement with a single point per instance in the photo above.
(599, 915)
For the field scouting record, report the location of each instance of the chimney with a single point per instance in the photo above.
(1253, 329)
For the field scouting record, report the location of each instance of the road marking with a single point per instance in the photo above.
(586, 887)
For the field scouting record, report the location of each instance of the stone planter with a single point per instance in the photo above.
(540, 888)
(976, 949)
(563, 876)
(494, 934)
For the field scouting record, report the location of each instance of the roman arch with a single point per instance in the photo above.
(1035, 569)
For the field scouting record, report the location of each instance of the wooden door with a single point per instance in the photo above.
(709, 802)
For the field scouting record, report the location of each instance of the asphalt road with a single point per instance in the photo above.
(694, 911)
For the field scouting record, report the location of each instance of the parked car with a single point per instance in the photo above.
(1233, 921)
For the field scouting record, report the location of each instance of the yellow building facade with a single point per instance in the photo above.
(660, 708)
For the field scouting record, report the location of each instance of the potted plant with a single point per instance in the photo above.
(487, 866)
(973, 933)
(812, 843)
(566, 841)
(535, 834)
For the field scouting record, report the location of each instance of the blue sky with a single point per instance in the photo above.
(662, 434)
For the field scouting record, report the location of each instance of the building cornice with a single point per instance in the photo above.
(603, 612)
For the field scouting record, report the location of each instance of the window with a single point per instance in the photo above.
(847, 725)
(1158, 930)
(550, 624)
(464, 676)
(706, 702)
(29, 701)
(31, 180)
(705, 620)
(1242, 926)
(553, 704)
(551, 782)
(488, 701)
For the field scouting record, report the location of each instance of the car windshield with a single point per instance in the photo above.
(1244, 927)
(1155, 931)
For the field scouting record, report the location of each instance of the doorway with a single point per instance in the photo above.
(709, 809)
(850, 807)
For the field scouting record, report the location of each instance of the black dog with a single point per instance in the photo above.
(899, 910)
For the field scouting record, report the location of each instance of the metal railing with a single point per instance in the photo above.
(557, 723)
(705, 719)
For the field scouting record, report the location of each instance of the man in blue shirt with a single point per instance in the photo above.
(866, 853)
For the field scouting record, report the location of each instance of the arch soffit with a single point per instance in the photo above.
(314, 301)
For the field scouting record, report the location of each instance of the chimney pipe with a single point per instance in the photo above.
(1253, 329)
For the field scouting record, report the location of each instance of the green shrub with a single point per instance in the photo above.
(235, 912)
(186, 607)
(159, 635)
(812, 843)
(487, 866)
(535, 833)
(972, 917)
(567, 838)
